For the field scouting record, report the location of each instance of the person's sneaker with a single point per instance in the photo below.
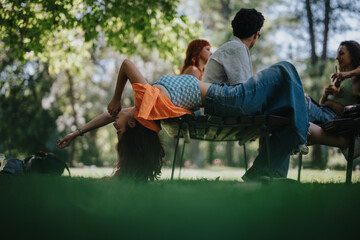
(260, 175)
(303, 149)
(356, 149)
(256, 179)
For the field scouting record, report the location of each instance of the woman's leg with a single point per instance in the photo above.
(319, 113)
(318, 136)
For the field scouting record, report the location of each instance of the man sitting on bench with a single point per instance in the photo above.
(231, 65)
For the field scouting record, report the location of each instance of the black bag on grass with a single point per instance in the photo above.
(13, 166)
(43, 162)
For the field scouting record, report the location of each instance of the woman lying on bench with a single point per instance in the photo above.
(276, 90)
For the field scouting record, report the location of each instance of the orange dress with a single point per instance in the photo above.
(151, 105)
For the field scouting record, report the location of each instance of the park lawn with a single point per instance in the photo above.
(227, 173)
(45, 207)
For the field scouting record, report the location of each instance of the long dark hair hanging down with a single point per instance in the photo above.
(140, 154)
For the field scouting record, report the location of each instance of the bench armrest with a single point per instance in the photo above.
(352, 111)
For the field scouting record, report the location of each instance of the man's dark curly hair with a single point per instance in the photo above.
(247, 22)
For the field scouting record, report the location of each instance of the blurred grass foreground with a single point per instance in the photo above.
(46, 207)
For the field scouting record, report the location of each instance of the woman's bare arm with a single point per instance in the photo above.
(341, 76)
(328, 91)
(127, 71)
(337, 107)
(99, 121)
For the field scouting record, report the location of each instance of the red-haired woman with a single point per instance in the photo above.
(197, 54)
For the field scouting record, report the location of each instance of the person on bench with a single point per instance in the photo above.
(275, 90)
(197, 55)
(319, 136)
(230, 64)
(335, 97)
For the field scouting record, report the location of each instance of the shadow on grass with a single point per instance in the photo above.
(81, 208)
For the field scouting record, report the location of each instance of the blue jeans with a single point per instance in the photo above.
(276, 90)
(319, 113)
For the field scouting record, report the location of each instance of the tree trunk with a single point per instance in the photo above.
(316, 157)
(229, 154)
(319, 157)
(72, 160)
(195, 154)
(316, 153)
(311, 32)
(326, 30)
(225, 9)
(326, 35)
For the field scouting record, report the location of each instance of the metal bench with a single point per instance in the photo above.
(349, 127)
(247, 128)
(213, 128)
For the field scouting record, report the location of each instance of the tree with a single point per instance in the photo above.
(128, 26)
(67, 36)
(26, 127)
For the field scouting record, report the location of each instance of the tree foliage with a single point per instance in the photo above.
(25, 126)
(128, 26)
(65, 42)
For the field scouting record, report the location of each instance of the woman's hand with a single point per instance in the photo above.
(329, 91)
(114, 107)
(341, 76)
(61, 143)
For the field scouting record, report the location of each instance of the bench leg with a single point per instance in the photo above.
(174, 161)
(182, 157)
(245, 158)
(300, 166)
(351, 159)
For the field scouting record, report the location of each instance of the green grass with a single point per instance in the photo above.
(88, 208)
(227, 173)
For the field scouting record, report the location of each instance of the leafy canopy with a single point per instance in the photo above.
(128, 26)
